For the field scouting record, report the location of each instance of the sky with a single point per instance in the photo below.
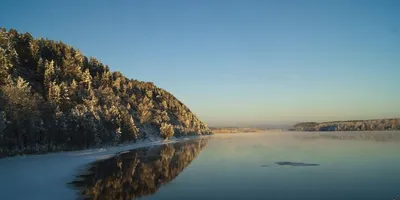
(239, 62)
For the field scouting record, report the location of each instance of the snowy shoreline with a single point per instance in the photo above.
(45, 176)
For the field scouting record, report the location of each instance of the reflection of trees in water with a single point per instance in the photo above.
(139, 172)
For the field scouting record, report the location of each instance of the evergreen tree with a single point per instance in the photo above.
(166, 131)
(3, 124)
(21, 109)
(48, 73)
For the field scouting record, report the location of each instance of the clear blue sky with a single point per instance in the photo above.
(239, 61)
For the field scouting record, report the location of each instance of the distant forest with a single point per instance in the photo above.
(353, 125)
(54, 98)
(235, 129)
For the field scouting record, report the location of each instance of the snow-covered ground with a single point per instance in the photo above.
(46, 176)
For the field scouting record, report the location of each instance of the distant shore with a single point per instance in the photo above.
(354, 125)
(222, 130)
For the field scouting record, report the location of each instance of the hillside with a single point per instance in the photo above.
(54, 98)
(355, 125)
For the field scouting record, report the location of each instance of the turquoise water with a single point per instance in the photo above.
(244, 166)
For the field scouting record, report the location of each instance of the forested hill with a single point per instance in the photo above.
(356, 125)
(54, 98)
(235, 130)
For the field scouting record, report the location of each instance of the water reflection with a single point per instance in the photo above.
(139, 172)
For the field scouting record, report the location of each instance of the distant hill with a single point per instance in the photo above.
(235, 129)
(241, 129)
(54, 98)
(354, 125)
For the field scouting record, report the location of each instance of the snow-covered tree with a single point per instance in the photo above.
(21, 108)
(87, 79)
(54, 93)
(48, 73)
(166, 131)
(144, 110)
(129, 129)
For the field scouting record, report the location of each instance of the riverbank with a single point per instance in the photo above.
(46, 176)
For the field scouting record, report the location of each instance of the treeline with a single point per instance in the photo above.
(137, 173)
(235, 130)
(354, 125)
(54, 98)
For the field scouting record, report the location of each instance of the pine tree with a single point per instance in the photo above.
(8, 56)
(21, 109)
(48, 73)
(166, 130)
(3, 124)
(117, 137)
(54, 93)
(5, 66)
(129, 130)
(87, 79)
(144, 110)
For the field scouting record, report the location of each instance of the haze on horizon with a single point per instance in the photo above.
(239, 62)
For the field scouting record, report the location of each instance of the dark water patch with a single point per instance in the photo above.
(265, 166)
(295, 164)
(137, 173)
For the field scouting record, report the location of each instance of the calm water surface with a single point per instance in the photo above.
(250, 166)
